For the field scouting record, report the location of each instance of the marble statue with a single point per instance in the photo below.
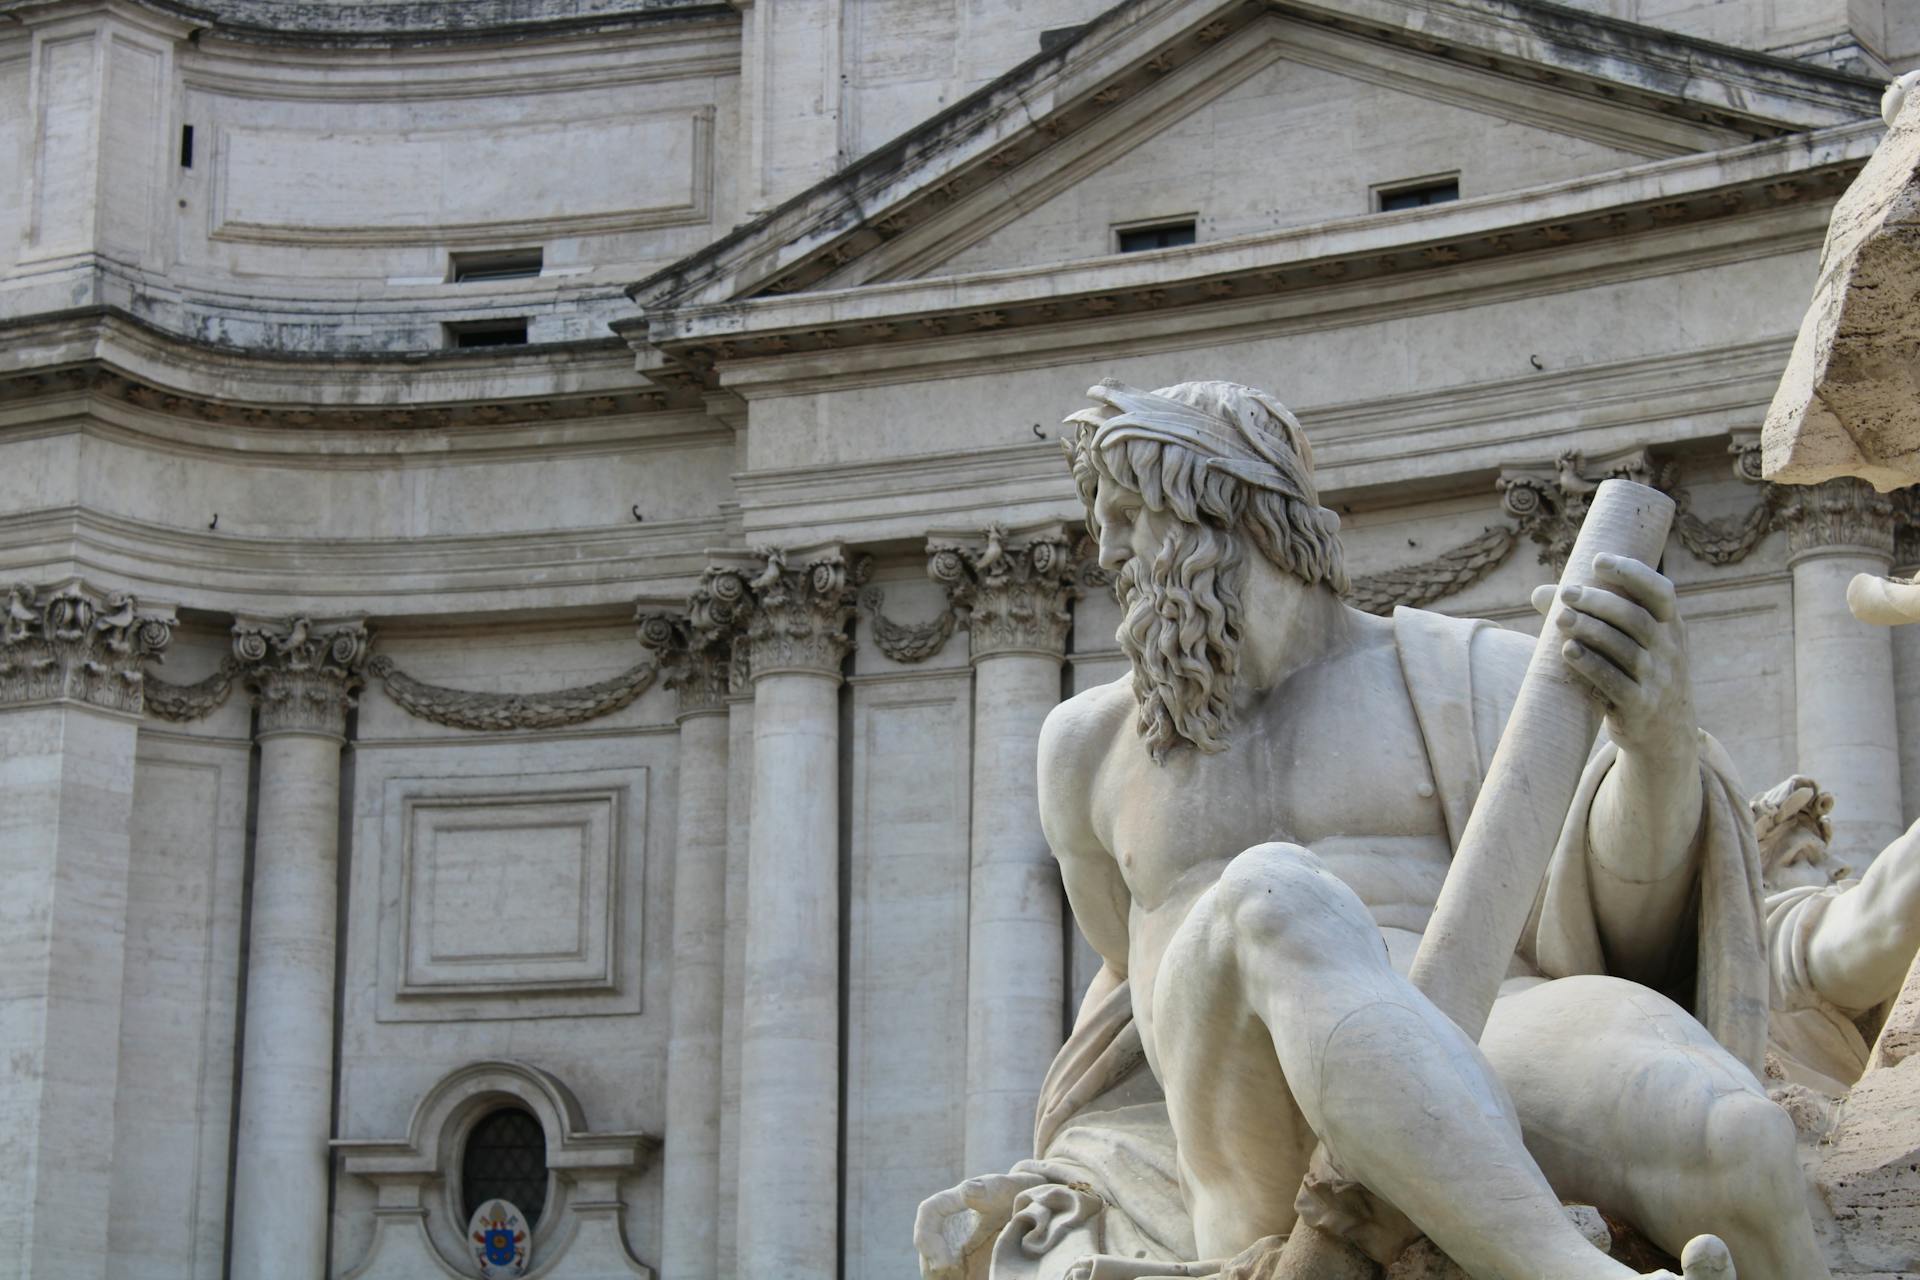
(1838, 948)
(1254, 828)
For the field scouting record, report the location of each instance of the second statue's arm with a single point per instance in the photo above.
(1626, 640)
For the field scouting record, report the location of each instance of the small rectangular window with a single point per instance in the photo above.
(1163, 235)
(496, 264)
(186, 146)
(1417, 195)
(488, 333)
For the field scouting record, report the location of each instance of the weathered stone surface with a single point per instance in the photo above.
(1849, 403)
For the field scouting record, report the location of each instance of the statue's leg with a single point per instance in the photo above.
(1279, 962)
(1600, 1064)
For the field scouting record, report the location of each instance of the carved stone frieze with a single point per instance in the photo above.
(1840, 513)
(1417, 585)
(73, 642)
(303, 675)
(1550, 502)
(182, 702)
(800, 615)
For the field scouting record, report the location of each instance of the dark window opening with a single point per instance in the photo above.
(488, 333)
(1167, 235)
(186, 146)
(506, 1159)
(1420, 196)
(497, 264)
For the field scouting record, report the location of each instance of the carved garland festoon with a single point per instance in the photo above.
(74, 643)
(303, 675)
(546, 709)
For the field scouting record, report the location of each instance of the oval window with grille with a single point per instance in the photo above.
(506, 1159)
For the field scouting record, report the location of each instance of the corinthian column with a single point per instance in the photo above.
(1015, 590)
(690, 1206)
(70, 703)
(1842, 667)
(303, 677)
(790, 1038)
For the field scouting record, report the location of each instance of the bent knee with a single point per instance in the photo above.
(1749, 1133)
(1280, 894)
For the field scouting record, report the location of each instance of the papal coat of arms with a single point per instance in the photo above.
(500, 1239)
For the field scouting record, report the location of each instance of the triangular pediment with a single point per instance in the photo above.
(1258, 116)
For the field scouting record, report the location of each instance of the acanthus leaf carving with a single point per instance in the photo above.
(303, 675)
(800, 616)
(1549, 503)
(1012, 590)
(1840, 513)
(695, 664)
(77, 643)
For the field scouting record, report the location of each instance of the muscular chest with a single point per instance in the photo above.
(1337, 765)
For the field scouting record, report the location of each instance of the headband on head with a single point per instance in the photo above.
(1225, 443)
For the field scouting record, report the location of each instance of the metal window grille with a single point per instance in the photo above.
(506, 1159)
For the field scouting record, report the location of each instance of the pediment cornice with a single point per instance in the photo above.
(1601, 67)
(695, 344)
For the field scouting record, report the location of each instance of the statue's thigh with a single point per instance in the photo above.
(1614, 1085)
(1243, 1144)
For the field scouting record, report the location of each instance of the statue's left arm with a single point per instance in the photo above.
(1624, 637)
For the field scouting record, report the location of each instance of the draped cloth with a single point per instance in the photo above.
(1102, 1138)
(1812, 1041)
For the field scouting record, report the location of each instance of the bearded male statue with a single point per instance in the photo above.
(1253, 829)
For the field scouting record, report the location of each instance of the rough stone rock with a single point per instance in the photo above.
(1869, 1165)
(1849, 402)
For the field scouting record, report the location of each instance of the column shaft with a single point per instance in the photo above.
(790, 1041)
(1015, 948)
(281, 1166)
(1848, 738)
(66, 807)
(692, 1173)
(734, 983)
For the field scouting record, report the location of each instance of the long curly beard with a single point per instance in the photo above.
(1181, 633)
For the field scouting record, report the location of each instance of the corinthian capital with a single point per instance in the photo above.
(695, 664)
(1013, 588)
(802, 603)
(303, 675)
(76, 643)
(1840, 513)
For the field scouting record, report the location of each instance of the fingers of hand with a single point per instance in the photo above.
(1543, 598)
(1612, 684)
(1646, 587)
(1619, 648)
(1614, 609)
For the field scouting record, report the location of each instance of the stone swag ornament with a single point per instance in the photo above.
(1397, 1006)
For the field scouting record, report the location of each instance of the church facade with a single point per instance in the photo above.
(537, 549)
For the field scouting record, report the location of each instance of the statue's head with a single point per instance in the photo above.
(1216, 468)
(1790, 821)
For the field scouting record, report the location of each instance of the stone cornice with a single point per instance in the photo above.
(387, 23)
(1660, 197)
(106, 352)
(76, 643)
(303, 675)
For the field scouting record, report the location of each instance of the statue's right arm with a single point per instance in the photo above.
(1072, 745)
(1866, 940)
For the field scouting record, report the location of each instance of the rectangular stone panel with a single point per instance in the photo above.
(510, 893)
(511, 896)
(430, 186)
